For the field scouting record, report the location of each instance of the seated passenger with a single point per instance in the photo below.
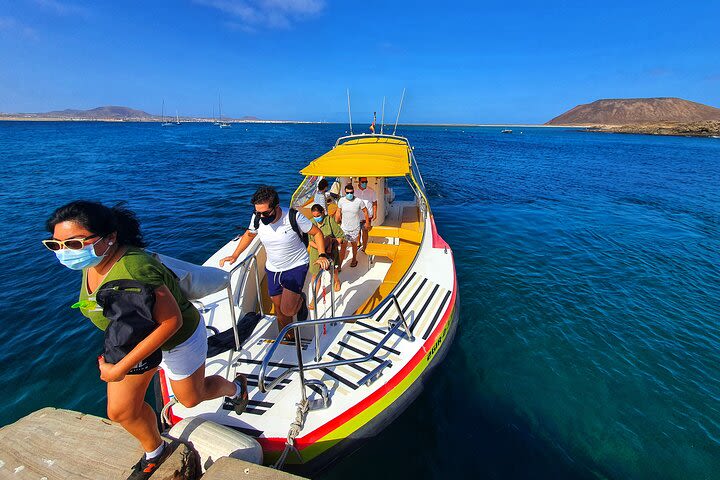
(349, 212)
(320, 194)
(333, 235)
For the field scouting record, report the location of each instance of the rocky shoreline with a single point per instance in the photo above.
(710, 128)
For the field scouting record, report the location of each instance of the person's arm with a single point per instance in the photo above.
(319, 238)
(337, 231)
(367, 217)
(245, 240)
(374, 206)
(169, 318)
(338, 213)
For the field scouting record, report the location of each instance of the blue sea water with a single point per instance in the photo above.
(588, 266)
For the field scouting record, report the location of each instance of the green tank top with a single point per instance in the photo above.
(136, 264)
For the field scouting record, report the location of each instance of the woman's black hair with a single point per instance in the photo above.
(265, 194)
(100, 220)
(317, 208)
(322, 184)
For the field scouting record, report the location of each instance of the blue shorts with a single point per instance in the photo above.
(293, 280)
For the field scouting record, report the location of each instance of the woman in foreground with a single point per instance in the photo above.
(107, 245)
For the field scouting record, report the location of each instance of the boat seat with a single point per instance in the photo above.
(410, 235)
(381, 250)
(400, 264)
(396, 232)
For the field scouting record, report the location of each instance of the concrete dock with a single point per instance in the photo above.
(62, 444)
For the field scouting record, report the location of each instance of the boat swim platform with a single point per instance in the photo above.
(62, 444)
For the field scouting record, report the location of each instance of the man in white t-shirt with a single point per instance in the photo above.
(369, 196)
(350, 211)
(287, 256)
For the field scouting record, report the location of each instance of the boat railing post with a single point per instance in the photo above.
(409, 334)
(257, 283)
(301, 372)
(317, 280)
(315, 311)
(233, 317)
(332, 288)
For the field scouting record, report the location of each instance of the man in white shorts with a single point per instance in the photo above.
(348, 214)
(287, 256)
(369, 196)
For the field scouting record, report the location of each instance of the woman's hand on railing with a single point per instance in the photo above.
(323, 262)
(229, 260)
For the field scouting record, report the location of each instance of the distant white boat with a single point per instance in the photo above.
(506, 131)
(220, 122)
(162, 115)
(177, 118)
(168, 123)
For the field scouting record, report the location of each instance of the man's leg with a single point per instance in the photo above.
(364, 237)
(311, 302)
(290, 303)
(343, 251)
(282, 318)
(353, 263)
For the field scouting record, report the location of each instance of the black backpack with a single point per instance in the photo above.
(293, 223)
(128, 305)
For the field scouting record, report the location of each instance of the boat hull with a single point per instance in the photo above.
(327, 453)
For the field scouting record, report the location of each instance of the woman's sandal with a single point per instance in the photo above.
(353, 263)
(239, 404)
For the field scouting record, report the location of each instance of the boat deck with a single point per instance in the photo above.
(423, 295)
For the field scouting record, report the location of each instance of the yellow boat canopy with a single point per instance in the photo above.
(370, 157)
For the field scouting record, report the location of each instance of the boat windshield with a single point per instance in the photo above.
(305, 191)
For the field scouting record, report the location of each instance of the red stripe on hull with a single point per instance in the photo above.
(278, 444)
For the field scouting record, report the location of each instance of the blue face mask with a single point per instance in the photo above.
(79, 259)
(319, 219)
(349, 196)
(363, 184)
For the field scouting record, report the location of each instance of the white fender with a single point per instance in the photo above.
(213, 441)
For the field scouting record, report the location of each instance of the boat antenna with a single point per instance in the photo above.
(349, 111)
(399, 109)
(382, 119)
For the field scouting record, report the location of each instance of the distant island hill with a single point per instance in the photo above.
(656, 116)
(114, 114)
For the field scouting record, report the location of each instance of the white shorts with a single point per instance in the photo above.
(184, 360)
(352, 235)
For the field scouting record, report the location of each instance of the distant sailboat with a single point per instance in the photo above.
(177, 118)
(214, 122)
(164, 123)
(221, 124)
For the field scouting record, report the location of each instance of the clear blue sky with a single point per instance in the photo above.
(471, 61)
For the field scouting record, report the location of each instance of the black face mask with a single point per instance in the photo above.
(270, 219)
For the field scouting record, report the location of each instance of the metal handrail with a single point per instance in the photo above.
(370, 135)
(331, 269)
(300, 368)
(250, 260)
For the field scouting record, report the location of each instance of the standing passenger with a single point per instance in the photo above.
(287, 257)
(333, 235)
(369, 196)
(348, 214)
